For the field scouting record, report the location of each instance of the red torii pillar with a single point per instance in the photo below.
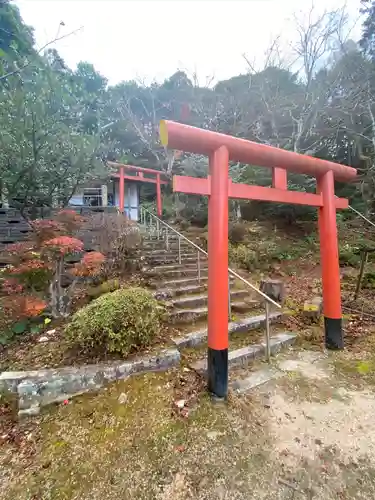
(220, 149)
(122, 190)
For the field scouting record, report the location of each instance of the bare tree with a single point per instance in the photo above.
(352, 115)
(318, 35)
(291, 92)
(141, 107)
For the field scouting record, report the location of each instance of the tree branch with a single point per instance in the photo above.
(27, 63)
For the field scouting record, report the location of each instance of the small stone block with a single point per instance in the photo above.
(165, 294)
(313, 308)
(192, 339)
(200, 366)
(281, 340)
(274, 289)
(244, 355)
(255, 379)
(29, 412)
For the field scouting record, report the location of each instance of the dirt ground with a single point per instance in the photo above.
(308, 434)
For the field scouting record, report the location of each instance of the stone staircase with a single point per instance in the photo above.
(183, 287)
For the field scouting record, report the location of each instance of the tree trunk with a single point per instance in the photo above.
(61, 299)
(238, 211)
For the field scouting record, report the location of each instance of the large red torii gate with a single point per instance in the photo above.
(221, 148)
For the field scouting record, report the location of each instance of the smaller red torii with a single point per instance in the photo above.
(140, 171)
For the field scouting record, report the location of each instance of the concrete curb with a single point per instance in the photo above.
(41, 387)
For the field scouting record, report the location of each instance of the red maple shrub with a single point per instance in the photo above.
(19, 308)
(90, 264)
(32, 274)
(64, 245)
(11, 286)
(34, 306)
(39, 266)
(45, 229)
(20, 248)
(70, 220)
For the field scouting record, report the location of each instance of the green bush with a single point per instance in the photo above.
(237, 232)
(286, 252)
(119, 321)
(368, 280)
(194, 208)
(263, 254)
(349, 255)
(243, 256)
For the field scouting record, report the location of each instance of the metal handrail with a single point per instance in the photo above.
(233, 273)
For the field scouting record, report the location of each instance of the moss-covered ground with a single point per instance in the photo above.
(308, 433)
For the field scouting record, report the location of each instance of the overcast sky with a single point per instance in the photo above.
(127, 39)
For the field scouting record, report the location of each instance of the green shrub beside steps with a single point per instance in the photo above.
(118, 322)
(237, 232)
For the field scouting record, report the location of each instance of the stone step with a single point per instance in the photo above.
(168, 293)
(245, 355)
(179, 272)
(197, 313)
(198, 337)
(200, 300)
(172, 248)
(245, 305)
(161, 244)
(155, 237)
(151, 249)
(166, 253)
(179, 282)
(179, 316)
(173, 267)
(162, 236)
(189, 259)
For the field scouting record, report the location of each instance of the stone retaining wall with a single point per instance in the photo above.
(42, 387)
(14, 227)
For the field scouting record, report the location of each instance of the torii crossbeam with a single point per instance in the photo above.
(221, 148)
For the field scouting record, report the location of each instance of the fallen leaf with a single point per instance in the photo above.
(122, 398)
